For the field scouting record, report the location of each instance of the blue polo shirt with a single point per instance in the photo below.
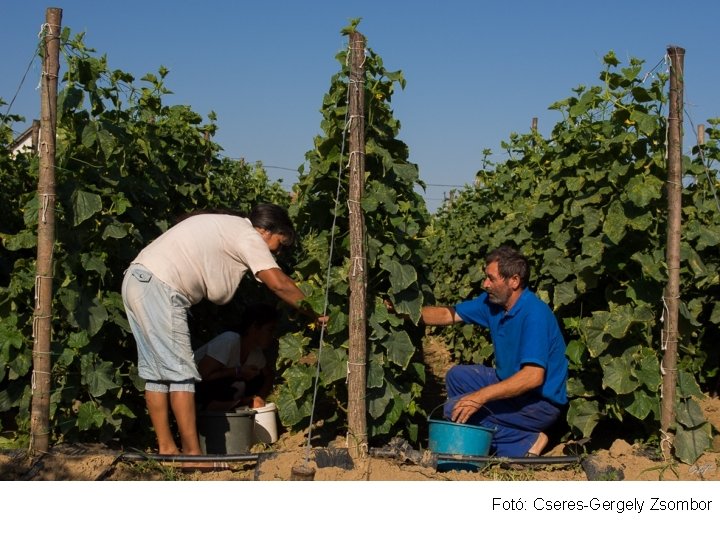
(527, 334)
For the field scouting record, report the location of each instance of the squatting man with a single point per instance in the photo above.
(525, 392)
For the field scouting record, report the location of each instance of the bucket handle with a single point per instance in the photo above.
(450, 400)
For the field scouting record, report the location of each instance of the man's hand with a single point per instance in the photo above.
(465, 407)
(525, 380)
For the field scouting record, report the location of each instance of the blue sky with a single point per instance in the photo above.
(476, 70)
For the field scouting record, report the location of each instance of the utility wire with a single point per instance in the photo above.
(701, 154)
(22, 81)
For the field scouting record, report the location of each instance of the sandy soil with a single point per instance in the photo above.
(290, 457)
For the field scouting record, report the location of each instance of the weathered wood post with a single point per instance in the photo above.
(671, 298)
(42, 318)
(357, 276)
(35, 136)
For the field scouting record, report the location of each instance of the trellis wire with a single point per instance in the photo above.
(327, 280)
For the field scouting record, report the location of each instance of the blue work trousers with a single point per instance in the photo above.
(517, 421)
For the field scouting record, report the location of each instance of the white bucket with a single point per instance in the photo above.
(265, 429)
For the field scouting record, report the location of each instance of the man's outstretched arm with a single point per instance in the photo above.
(439, 315)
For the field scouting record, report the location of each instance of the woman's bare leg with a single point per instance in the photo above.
(157, 405)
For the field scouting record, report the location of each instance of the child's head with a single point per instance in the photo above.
(261, 321)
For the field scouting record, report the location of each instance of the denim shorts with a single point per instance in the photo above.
(157, 314)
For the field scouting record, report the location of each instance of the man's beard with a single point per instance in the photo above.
(499, 299)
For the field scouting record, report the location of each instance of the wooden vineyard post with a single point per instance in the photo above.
(357, 276)
(42, 318)
(671, 298)
(35, 136)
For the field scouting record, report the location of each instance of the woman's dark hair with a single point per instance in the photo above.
(510, 262)
(271, 217)
(257, 314)
(274, 219)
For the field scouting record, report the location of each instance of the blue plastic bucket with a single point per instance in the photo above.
(459, 439)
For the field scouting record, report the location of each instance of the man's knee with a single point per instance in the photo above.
(473, 375)
(453, 375)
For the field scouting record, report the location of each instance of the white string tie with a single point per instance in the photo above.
(665, 443)
(37, 292)
(37, 289)
(358, 267)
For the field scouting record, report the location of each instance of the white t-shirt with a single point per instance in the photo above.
(207, 255)
(225, 348)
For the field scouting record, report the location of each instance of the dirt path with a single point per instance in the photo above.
(276, 462)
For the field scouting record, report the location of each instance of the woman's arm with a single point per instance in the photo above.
(285, 288)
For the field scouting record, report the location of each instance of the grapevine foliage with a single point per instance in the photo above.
(395, 217)
(587, 206)
(127, 165)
